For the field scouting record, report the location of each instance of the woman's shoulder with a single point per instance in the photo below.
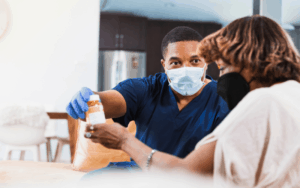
(255, 107)
(286, 86)
(277, 92)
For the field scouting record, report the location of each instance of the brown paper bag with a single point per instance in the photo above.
(92, 156)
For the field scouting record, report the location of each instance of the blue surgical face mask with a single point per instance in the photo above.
(186, 80)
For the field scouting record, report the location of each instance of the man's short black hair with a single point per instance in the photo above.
(181, 33)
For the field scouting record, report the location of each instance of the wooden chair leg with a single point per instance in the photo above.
(39, 152)
(58, 151)
(36, 153)
(22, 155)
(49, 152)
(7, 153)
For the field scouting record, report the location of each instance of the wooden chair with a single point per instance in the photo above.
(72, 126)
(60, 145)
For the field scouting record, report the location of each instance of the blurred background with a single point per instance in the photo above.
(49, 49)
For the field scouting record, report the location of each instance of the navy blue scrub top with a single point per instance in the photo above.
(160, 125)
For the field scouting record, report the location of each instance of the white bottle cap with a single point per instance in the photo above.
(94, 98)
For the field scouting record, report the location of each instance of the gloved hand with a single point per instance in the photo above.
(78, 105)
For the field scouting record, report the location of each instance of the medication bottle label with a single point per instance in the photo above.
(97, 118)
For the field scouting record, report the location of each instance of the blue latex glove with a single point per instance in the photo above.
(78, 105)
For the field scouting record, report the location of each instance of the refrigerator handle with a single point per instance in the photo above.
(121, 40)
(117, 40)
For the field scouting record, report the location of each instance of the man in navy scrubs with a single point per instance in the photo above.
(172, 110)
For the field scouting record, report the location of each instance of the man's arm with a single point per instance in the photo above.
(113, 103)
(126, 96)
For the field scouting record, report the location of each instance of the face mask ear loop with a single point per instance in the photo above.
(241, 70)
(168, 77)
(169, 80)
(253, 78)
(204, 73)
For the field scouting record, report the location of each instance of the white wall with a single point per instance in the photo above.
(50, 52)
(295, 34)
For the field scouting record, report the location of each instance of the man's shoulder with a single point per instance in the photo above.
(151, 83)
(152, 79)
(214, 98)
(157, 81)
(158, 77)
(211, 87)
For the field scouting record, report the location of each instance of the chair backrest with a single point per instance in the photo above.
(26, 113)
(20, 135)
(52, 124)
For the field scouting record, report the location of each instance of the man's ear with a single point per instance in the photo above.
(162, 61)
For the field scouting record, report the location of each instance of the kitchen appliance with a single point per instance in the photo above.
(116, 66)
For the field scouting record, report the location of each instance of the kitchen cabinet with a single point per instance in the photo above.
(210, 28)
(132, 33)
(108, 32)
(122, 32)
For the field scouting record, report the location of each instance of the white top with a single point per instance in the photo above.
(258, 143)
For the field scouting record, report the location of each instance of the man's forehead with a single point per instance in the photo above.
(182, 48)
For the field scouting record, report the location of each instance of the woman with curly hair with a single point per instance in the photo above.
(258, 143)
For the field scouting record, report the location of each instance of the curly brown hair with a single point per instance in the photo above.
(258, 43)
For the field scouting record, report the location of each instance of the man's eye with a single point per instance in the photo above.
(175, 63)
(196, 61)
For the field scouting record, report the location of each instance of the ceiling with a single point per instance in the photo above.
(221, 11)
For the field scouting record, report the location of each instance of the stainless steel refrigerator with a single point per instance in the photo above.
(117, 65)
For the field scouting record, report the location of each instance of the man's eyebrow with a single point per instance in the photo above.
(174, 58)
(194, 56)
